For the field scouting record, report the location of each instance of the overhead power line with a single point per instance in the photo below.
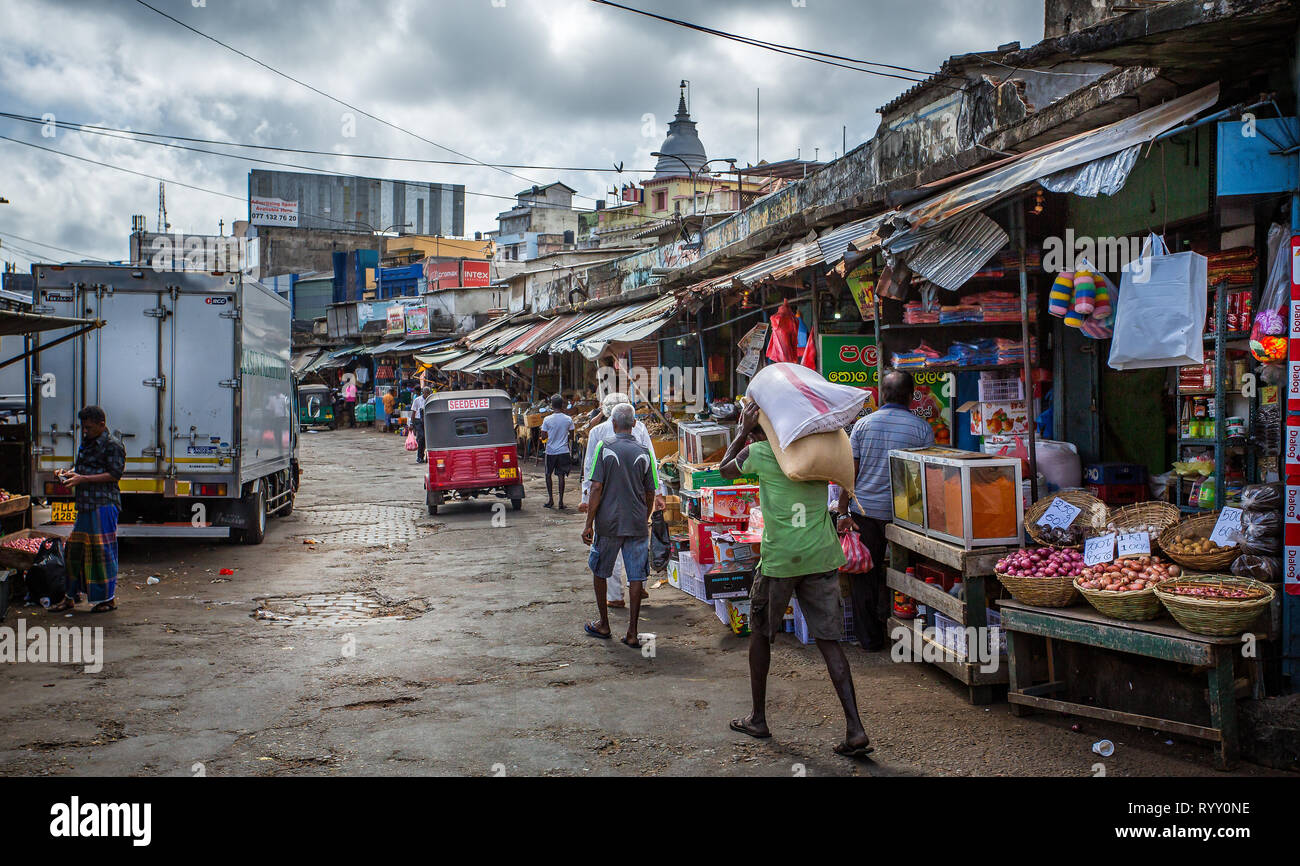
(232, 156)
(133, 134)
(43, 244)
(337, 100)
(793, 51)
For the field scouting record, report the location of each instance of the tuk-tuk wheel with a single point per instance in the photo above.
(431, 500)
(516, 504)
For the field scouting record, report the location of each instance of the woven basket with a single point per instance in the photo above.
(1136, 606)
(1215, 616)
(1041, 591)
(1199, 526)
(11, 557)
(1144, 514)
(1091, 518)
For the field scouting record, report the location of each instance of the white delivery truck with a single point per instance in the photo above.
(192, 369)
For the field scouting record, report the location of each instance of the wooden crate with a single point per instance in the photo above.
(21, 559)
(15, 505)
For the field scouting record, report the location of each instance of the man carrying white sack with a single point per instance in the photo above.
(801, 557)
(603, 432)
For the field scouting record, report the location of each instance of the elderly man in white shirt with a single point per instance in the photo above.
(598, 434)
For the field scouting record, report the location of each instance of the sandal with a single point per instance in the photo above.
(634, 644)
(744, 726)
(104, 606)
(857, 752)
(591, 629)
(66, 604)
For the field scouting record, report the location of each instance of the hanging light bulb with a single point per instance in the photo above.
(1038, 201)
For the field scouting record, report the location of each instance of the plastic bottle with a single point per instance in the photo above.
(929, 611)
(922, 610)
(958, 588)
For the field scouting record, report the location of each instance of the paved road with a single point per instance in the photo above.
(405, 644)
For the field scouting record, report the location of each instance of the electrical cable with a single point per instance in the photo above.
(138, 134)
(332, 98)
(793, 51)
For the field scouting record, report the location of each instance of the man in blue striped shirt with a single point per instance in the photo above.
(891, 426)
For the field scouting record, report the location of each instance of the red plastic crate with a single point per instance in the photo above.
(1120, 494)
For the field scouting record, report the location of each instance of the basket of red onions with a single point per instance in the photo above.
(1041, 576)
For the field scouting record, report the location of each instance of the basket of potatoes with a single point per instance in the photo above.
(1125, 589)
(1188, 544)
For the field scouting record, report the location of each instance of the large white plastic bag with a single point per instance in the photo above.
(1160, 320)
(798, 402)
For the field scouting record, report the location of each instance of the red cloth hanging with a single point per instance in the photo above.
(809, 358)
(785, 335)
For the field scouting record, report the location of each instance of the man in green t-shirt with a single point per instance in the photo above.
(801, 556)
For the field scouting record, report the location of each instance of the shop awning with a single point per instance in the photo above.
(1012, 175)
(635, 324)
(301, 360)
(502, 363)
(462, 363)
(440, 357)
(500, 337)
(329, 360)
(15, 322)
(420, 343)
(382, 348)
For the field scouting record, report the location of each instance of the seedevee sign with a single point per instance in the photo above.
(472, 403)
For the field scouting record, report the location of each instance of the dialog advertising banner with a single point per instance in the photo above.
(850, 359)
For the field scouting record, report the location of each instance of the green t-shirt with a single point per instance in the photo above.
(798, 535)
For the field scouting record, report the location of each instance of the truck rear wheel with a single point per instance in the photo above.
(255, 512)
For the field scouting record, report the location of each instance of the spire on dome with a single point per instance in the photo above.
(683, 142)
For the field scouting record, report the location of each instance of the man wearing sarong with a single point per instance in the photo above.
(92, 547)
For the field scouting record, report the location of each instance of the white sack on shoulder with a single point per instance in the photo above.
(799, 402)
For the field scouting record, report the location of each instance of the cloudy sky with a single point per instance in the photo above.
(565, 83)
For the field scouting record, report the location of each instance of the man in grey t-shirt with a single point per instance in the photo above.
(623, 484)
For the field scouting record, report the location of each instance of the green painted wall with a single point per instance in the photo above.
(1168, 184)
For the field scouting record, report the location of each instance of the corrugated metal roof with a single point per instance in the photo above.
(835, 243)
(953, 256)
(462, 362)
(502, 362)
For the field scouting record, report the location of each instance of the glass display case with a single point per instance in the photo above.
(961, 497)
(702, 441)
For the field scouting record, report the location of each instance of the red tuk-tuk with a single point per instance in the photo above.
(470, 445)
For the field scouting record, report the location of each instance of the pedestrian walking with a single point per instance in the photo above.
(623, 485)
(801, 557)
(603, 431)
(418, 406)
(350, 400)
(891, 426)
(91, 552)
(557, 429)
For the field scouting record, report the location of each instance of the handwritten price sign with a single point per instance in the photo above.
(1227, 527)
(1059, 514)
(1099, 550)
(1134, 544)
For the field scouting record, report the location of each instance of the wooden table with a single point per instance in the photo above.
(976, 566)
(1160, 639)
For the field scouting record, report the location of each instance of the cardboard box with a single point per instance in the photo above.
(729, 579)
(726, 548)
(999, 419)
(727, 504)
(738, 615)
(697, 476)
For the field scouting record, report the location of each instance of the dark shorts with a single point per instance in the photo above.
(636, 556)
(559, 464)
(819, 601)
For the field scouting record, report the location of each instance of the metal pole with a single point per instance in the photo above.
(1027, 361)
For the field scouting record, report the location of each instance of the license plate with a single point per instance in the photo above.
(509, 473)
(64, 512)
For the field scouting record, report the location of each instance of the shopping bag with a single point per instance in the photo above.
(411, 442)
(1160, 318)
(660, 548)
(859, 558)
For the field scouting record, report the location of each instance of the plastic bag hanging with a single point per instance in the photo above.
(785, 333)
(809, 356)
